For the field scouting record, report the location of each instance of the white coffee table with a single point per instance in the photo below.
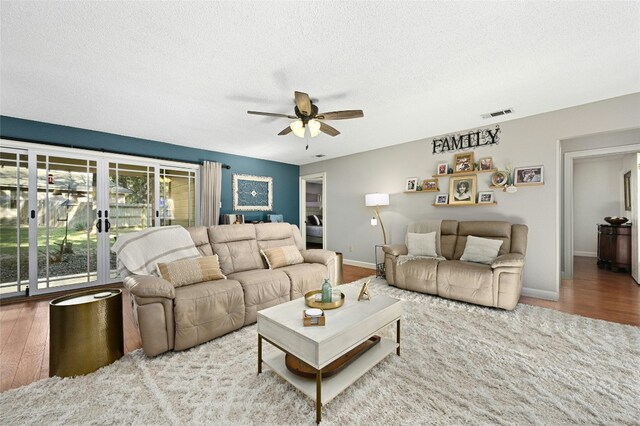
(318, 346)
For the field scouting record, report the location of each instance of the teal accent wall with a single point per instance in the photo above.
(285, 176)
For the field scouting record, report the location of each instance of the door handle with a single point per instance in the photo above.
(99, 225)
(33, 214)
(107, 225)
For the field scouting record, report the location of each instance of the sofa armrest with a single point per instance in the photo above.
(323, 257)
(509, 260)
(395, 249)
(149, 286)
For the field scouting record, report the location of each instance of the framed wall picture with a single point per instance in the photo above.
(532, 175)
(499, 178)
(463, 162)
(462, 189)
(411, 184)
(627, 191)
(485, 163)
(442, 199)
(486, 197)
(430, 185)
(252, 193)
(442, 168)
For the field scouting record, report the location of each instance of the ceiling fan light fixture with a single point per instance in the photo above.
(314, 128)
(297, 127)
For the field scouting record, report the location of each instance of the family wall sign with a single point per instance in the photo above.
(471, 140)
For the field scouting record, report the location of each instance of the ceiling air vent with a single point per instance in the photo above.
(497, 113)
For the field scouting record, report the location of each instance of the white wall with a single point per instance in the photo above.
(527, 141)
(596, 194)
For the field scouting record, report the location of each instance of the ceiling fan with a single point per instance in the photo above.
(307, 116)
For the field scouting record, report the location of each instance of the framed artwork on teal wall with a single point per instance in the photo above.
(252, 193)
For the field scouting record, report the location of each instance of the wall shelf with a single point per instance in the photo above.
(424, 190)
(475, 172)
(466, 205)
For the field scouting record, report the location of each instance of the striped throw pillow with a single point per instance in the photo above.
(277, 257)
(191, 271)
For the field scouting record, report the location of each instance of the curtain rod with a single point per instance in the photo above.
(107, 151)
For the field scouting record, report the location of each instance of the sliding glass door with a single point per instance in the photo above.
(132, 202)
(64, 218)
(61, 211)
(14, 222)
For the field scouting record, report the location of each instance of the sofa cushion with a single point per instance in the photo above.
(448, 237)
(262, 288)
(481, 250)
(421, 244)
(469, 282)
(200, 238)
(417, 275)
(207, 310)
(274, 235)
(497, 230)
(236, 247)
(191, 271)
(305, 277)
(277, 257)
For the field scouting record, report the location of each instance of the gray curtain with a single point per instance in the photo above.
(210, 192)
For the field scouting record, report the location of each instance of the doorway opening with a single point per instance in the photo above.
(313, 201)
(600, 261)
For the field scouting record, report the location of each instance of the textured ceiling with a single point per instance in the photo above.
(187, 72)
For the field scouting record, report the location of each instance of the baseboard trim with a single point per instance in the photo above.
(359, 263)
(585, 253)
(540, 294)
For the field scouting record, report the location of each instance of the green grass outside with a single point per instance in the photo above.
(8, 239)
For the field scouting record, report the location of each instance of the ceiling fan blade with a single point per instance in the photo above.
(272, 114)
(303, 103)
(285, 131)
(325, 128)
(340, 115)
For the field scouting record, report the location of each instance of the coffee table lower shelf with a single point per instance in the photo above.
(333, 385)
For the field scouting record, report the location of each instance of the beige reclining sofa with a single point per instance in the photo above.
(178, 318)
(497, 284)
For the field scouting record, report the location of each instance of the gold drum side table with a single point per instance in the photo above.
(85, 332)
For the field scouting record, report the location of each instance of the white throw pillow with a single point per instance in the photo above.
(422, 244)
(481, 250)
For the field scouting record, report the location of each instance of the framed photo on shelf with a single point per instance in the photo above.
(463, 162)
(430, 185)
(486, 197)
(485, 163)
(443, 168)
(499, 178)
(532, 175)
(442, 199)
(411, 184)
(462, 189)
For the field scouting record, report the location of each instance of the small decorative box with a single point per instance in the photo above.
(315, 319)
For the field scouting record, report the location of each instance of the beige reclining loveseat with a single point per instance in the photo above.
(178, 318)
(498, 284)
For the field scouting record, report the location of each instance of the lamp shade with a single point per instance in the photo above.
(298, 128)
(314, 128)
(377, 199)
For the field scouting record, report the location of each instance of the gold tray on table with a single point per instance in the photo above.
(310, 302)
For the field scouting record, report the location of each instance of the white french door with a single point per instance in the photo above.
(61, 210)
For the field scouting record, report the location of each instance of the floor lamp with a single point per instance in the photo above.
(376, 200)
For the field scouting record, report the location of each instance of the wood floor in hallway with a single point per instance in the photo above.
(24, 325)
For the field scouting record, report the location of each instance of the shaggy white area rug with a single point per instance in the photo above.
(460, 364)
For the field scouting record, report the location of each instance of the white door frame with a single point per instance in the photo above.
(569, 157)
(303, 206)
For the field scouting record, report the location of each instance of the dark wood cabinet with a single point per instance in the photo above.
(614, 246)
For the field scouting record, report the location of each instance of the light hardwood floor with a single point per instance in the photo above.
(24, 325)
